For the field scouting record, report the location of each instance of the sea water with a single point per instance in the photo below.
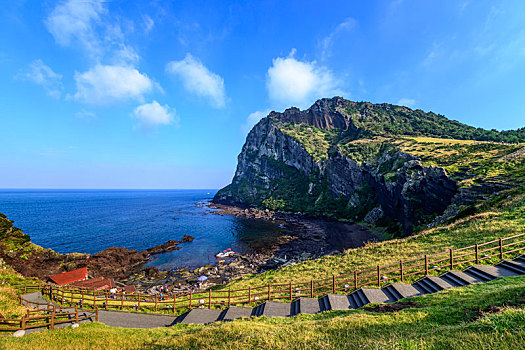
(88, 221)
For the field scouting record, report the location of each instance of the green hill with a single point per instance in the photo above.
(386, 165)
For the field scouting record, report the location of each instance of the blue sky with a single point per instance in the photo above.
(118, 94)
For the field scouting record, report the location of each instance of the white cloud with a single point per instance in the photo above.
(105, 84)
(198, 80)
(126, 56)
(292, 82)
(86, 115)
(71, 23)
(148, 24)
(41, 74)
(89, 26)
(327, 42)
(152, 114)
(253, 119)
(408, 102)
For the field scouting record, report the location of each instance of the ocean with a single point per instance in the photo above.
(88, 221)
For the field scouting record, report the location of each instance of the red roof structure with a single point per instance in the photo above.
(69, 277)
(97, 283)
(128, 289)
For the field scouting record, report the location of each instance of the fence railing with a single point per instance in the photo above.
(378, 276)
(47, 315)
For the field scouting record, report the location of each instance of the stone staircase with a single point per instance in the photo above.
(362, 296)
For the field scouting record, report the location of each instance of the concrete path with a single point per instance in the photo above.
(134, 319)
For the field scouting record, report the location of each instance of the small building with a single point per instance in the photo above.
(69, 277)
(97, 283)
(128, 289)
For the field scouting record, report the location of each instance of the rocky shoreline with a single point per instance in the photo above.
(303, 238)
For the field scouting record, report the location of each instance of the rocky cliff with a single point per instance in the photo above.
(347, 160)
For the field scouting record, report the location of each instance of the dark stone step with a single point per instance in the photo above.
(338, 302)
(427, 286)
(355, 301)
(359, 298)
(235, 312)
(494, 271)
(462, 277)
(405, 290)
(352, 301)
(276, 309)
(307, 306)
(420, 289)
(513, 266)
(439, 282)
(324, 303)
(478, 274)
(452, 280)
(376, 296)
(200, 316)
(392, 293)
(258, 310)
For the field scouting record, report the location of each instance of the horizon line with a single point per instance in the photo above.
(108, 188)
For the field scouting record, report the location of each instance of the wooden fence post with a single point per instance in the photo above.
(52, 325)
(23, 323)
(333, 284)
(355, 279)
(191, 295)
(269, 291)
(229, 297)
(311, 288)
(96, 313)
(378, 276)
(477, 254)
(76, 314)
(209, 299)
(501, 249)
(426, 265)
(401, 268)
(451, 259)
(291, 295)
(155, 302)
(174, 302)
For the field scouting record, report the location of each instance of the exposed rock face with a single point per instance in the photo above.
(258, 164)
(271, 161)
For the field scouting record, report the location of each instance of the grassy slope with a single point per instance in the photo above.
(9, 307)
(443, 320)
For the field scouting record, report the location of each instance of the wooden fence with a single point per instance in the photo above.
(45, 315)
(378, 276)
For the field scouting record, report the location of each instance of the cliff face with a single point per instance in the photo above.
(340, 158)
